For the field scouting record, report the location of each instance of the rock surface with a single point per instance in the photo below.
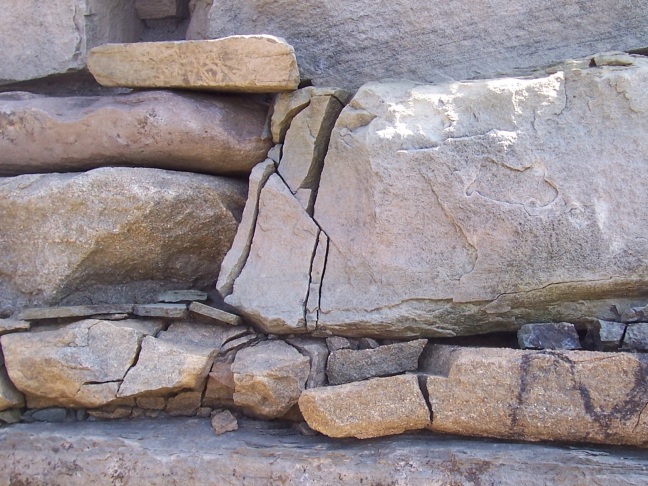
(239, 63)
(78, 365)
(636, 337)
(606, 335)
(215, 314)
(365, 409)
(112, 235)
(10, 397)
(317, 353)
(269, 378)
(13, 325)
(219, 391)
(575, 396)
(44, 313)
(168, 130)
(223, 422)
(347, 365)
(548, 335)
(413, 40)
(211, 336)
(40, 39)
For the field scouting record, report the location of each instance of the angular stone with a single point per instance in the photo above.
(202, 335)
(573, 396)
(10, 416)
(158, 9)
(606, 335)
(220, 383)
(165, 367)
(239, 63)
(412, 40)
(636, 337)
(372, 408)
(236, 257)
(335, 343)
(169, 311)
(347, 365)
(272, 289)
(41, 39)
(548, 335)
(204, 412)
(185, 404)
(274, 153)
(216, 314)
(151, 403)
(161, 129)
(368, 343)
(42, 313)
(269, 378)
(182, 296)
(13, 325)
(238, 343)
(55, 414)
(317, 353)
(10, 397)
(223, 422)
(410, 253)
(78, 365)
(113, 235)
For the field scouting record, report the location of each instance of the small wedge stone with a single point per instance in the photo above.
(223, 422)
(216, 314)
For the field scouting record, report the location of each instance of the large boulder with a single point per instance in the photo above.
(112, 235)
(43, 38)
(341, 43)
(211, 134)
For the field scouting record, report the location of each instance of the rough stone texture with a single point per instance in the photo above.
(414, 171)
(112, 235)
(169, 311)
(43, 313)
(158, 9)
(372, 408)
(268, 378)
(223, 422)
(10, 397)
(162, 129)
(215, 314)
(335, 343)
(219, 391)
(432, 43)
(156, 452)
(240, 63)
(182, 296)
(636, 337)
(13, 325)
(347, 365)
(236, 257)
(210, 336)
(43, 38)
(272, 289)
(238, 343)
(575, 396)
(185, 404)
(78, 365)
(165, 367)
(151, 403)
(605, 335)
(317, 353)
(548, 335)
(54, 414)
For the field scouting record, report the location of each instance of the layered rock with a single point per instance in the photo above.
(162, 129)
(41, 39)
(239, 63)
(112, 235)
(540, 395)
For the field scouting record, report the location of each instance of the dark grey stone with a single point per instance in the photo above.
(338, 342)
(548, 335)
(636, 337)
(54, 414)
(605, 335)
(368, 343)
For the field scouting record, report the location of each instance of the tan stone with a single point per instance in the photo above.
(365, 409)
(223, 422)
(240, 63)
(13, 325)
(269, 378)
(151, 403)
(185, 404)
(219, 391)
(575, 396)
(190, 132)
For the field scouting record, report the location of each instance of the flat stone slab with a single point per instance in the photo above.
(41, 313)
(215, 314)
(13, 325)
(239, 63)
(182, 296)
(175, 311)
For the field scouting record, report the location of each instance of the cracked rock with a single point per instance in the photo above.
(548, 335)
(210, 336)
(318, 353)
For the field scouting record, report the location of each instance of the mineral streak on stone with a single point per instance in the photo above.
(168, 130)
(269, 378)
(413, 171)
(636, 337)
(13, 325)
(224, 421)
(272, 289)
(575, 396)
(347, 365)
(548, 335)
(215, 314)
(606, 335)
(365, 409)
(42, 313)
(240, 63)
(170, 311)
(182, 296)
(236, 257)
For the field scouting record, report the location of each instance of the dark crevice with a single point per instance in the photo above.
(310, 277)
(422, 383)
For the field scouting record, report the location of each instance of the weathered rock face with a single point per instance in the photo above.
(269, 378)
(239, 63)
(39, 39)
(365, 409)
(189, 132)
(540, 395)
(79, 365)
(158, 9)
(416, 40)
(10, 397)
(112, 235)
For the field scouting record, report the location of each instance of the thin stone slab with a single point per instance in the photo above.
(636, 337)
(216, 314)
(171, 311)
(13, 325)
(548, 335)
(42, 313)
(182, 296)
(239, 63)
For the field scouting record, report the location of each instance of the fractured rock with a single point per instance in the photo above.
(269, 378)
(202, 335)
(548, 335)
(112, 235)
(606, 335)
(239, 63)
(347, 365)
(162, 129)
(238, 343)
(335, 343)
(575, 396)
(372, 408)
(77, 365)
(317, 353)
(215, 314)
(636, 337)
(318, 265)
(224, 421)
(219, 391)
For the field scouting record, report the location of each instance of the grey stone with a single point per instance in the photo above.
(347, 365)
(223, 421)
(13, 325)
(636, 337)
(274, 153)
(11, 416)
(172, 311)
(55, 414)
(318, 353)
(42, 313)
(204, 412)
(368, 343)
(203, 335)
(216, 314)
(335, 343)
(182, 296)
(548, 335)
(606, 335)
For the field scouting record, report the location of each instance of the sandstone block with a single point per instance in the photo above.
(10, 397)
(185, 404)
(223, 422)
(575, 396)
(162, 129)
(113, 235)
(220, 383)
(239, 63)
(42, 313)
(372, 408)
(13, 325)
(548, 335)
(269, 378)
(168, 311)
